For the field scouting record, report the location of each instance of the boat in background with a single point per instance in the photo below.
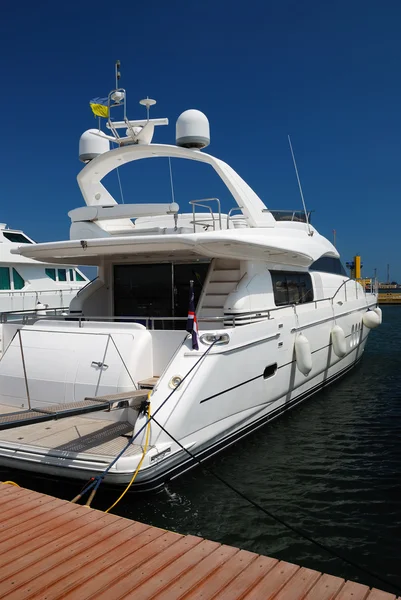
(26, 283)
(278, 320)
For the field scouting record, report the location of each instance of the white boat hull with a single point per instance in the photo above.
(226, 399)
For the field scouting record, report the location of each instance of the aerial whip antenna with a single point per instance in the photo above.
(117, 71)
(310, 232)
(118, 76)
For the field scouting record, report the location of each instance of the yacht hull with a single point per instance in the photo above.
(155, 476)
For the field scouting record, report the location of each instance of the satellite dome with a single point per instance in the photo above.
(192, 129)
(92, 143)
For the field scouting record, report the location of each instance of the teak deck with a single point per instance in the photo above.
(50, 548)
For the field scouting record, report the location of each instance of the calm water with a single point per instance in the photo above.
(330, 467)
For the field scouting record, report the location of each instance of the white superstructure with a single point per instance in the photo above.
(25, 283)
(278, 319)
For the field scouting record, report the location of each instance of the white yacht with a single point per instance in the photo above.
(278, 319)
(26, 283)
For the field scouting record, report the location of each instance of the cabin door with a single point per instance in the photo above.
(157, 290)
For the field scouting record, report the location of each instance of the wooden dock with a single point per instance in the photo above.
(50, 549)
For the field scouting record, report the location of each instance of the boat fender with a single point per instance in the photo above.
(338, 341)
(41, 308)
(303, 354)
(378, 311)
(371, 319)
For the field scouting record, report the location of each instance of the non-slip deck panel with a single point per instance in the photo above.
(63, 411)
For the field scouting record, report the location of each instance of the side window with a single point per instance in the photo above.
(328, 264)
(78, 276)
(51, 273)
(19, 282)
(71, 272)
(280, 288)
(291, 288)
(5, 282)
(62, 274)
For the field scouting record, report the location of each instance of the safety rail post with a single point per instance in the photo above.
(199, 203)
(102, 364)
(235, 208)
(24, 368)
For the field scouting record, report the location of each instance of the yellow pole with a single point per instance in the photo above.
(357, 262)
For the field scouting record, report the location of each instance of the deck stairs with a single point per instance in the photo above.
(51, 412)
(148, 384)
(223, 278)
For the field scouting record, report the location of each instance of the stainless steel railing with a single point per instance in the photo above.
(32, 316)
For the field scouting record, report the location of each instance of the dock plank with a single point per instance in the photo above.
(299, 585)
(326, 588)
(111, 572)
(51, 549)
(129, 581)
(94, 562)
(247, 579)
(379, 595)
(223, 575)
(353, 591)
(173, 572)
(62, 574)
(272, 582)
(193, 577)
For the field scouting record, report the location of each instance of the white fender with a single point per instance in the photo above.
(378, 311)
(371, 319)
(338, 341)
(41, 308)
(303, 354)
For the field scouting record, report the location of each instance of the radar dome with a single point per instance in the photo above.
(192, 129)
(92, 143)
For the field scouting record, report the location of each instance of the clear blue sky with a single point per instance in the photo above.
(327, 73)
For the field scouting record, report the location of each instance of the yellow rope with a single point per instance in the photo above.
(11, 483)
(145, 448)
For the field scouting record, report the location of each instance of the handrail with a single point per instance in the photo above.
(235, 208)
(199, 203)
(257, 314)
(86, 285)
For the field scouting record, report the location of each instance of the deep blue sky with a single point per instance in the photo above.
(329, 74)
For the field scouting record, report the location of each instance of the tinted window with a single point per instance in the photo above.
(18, 280)
(62, 274)
(328, 264)
(78, 276)
(51, 273)
(5, 278)
(157, 290)
(291, 288)
(19, 238)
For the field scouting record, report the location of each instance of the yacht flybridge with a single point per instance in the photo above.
(277, 320)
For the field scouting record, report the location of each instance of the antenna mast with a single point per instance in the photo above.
(310, 232)
(117, 72)
(118, 75)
